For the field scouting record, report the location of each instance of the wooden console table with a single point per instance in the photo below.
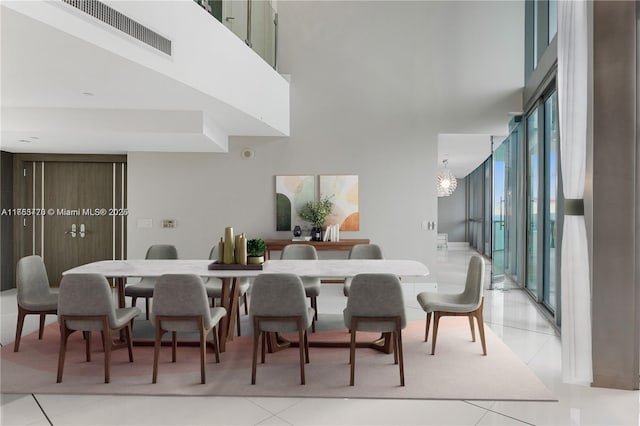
(342, 245)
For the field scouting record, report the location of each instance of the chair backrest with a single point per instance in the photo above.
(474, 285)
(31, 278)
(278, 295)
(376, 295)
(299, 252)
(365, 251)
(162, 251)
(86, 295)
(180, 295)
(213, 254)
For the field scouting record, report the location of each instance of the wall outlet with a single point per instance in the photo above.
(169, 223)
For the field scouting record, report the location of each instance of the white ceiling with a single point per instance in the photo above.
(476, 78)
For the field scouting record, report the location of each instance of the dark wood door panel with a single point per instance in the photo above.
(83, 194)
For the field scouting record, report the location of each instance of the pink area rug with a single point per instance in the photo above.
(457, 371)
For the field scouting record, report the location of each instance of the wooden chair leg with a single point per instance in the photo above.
(426, 330)
(473, 331)
(306, 346)
(21, 315)
(314, 305)
(41, 329)
(64, 335)
(246, 306)
(216, 344)
(301, 347)
(395, 347)
(128, 333)
(156, 352)
(107, 342)
(203, 354)
(352, 352)
(87, 344)
(480, 320)
(254, 363)
(146, 306)
(174, 346)
(238, 322)
(264, 346)
(436, 320)
(400, 353)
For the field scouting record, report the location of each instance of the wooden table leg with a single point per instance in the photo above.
(120, 287)
(229, 300)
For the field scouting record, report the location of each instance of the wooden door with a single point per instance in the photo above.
(81, 212)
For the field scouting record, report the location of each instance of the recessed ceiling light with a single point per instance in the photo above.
(25, 141)
(87, 93)
(34, 137)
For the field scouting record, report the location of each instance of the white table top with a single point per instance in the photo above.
(309, 268)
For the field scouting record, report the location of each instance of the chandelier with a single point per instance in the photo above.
(446, 181)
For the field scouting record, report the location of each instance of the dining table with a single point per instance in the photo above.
(122, 270)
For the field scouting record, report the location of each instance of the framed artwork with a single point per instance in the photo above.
(343, 192)
(292, 192)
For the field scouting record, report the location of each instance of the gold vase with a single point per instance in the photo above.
(229, 255)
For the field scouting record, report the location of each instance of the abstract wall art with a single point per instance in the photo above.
(343, 192)
(292, 192)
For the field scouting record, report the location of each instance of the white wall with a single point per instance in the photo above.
(364, 100)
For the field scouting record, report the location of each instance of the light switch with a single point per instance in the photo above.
(145, 223)
(425, 225)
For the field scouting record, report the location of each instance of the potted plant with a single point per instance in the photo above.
(255, 251)
(316, 213)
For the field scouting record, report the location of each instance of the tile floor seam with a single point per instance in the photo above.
(269, 411)
(272, 417)
(41, 409)
(520, 328)
(490, 410)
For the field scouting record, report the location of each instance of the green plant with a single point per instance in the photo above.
(256, 247)
(316, 212)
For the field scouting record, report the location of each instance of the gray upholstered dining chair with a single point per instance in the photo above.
(278, 305)
(468, 303)
(214, 290)
(86, 304)
(376, 304)
(144, 287)
(361, 251)
(311, 284)
(180, 303)
(35, 297)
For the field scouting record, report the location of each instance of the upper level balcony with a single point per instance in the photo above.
(120, 76)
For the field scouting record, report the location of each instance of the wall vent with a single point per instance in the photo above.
(123, 23)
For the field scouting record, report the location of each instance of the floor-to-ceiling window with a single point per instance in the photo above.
(542, 194)
(551, 172)
(533, 196)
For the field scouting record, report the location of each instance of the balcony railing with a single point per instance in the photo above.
(253, 21)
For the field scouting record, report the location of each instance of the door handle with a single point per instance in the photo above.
(229, 18)
(82, 230)
(73, 231)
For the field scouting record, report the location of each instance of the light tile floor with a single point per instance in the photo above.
(510, 314)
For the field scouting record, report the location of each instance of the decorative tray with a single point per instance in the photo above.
(232, 266)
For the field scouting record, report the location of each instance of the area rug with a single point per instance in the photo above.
(457, 371)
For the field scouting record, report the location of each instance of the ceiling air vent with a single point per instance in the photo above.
(122, 22)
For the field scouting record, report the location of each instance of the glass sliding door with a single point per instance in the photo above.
(498, 212)
(533, 212)
(514, 201)
(549, 296)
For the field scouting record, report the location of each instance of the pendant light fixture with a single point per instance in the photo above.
(446, 181)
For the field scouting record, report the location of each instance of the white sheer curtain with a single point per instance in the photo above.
(572, 99)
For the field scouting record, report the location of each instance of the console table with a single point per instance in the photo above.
(342, 245)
